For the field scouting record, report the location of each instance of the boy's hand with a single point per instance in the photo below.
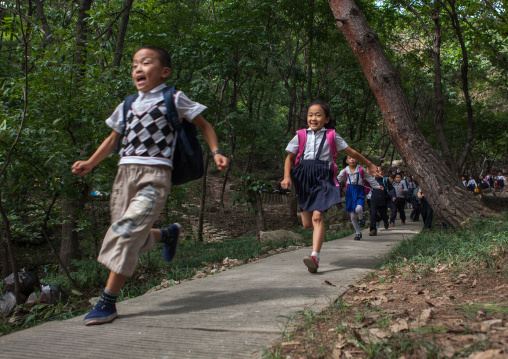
(221, 162)
(286, 183)
(394, 199)
(81, 168)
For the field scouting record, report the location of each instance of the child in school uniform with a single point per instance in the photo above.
(355, 199)
(143, 180)
(313, 176)
(399, 200)
(471, 185)
(501, 181)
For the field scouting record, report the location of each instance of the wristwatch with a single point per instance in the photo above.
(217, 152)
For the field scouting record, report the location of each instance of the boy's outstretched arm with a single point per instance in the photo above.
(211, 139)
(107, 146)
(286, 182)
(371, 168)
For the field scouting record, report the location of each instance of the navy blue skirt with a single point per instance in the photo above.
(354, 197)
(314, 185)
(471, 187)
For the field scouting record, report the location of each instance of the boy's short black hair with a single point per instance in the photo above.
(164, 56)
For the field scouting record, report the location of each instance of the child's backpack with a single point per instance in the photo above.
(330, 138)
(188, 156)
(366, 185)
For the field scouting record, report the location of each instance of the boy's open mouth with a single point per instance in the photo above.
(140, 79)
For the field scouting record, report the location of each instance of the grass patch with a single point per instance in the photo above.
(478, 244)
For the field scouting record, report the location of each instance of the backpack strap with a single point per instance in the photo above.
(330, 137)
(365, 183)
(127, 104)
(302, 141)
(168, 93)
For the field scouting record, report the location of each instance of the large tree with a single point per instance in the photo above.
(442, 188)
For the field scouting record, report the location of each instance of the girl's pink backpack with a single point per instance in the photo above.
(330, 138)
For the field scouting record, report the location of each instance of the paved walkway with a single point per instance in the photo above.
(234, 314)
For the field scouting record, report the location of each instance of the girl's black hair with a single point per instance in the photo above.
(328, 112)
(163, 55)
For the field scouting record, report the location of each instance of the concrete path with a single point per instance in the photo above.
(234, 314)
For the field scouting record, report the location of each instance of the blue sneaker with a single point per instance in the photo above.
(173, 232)
(101, 313)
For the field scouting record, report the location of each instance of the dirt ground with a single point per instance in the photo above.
(413, 313)
(238, 220)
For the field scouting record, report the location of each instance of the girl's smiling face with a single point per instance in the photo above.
(316, 118)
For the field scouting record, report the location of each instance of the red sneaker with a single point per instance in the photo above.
(392, 224)
(403, 222)
(312, 263)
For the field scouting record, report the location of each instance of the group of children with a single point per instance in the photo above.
(486, 183)
(142, 185)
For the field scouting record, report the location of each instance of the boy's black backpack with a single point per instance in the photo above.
(188, 156)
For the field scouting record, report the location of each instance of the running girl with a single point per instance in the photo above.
(355, 198)
(313, 176)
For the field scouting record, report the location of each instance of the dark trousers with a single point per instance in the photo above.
(415, 214)
(375, 208)
(427, 213)
(399, 207)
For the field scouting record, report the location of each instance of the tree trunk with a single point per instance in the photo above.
(47, 39)
(10, 249)
(4, 258)
(203, 199)
(464, 69)
(439, 98)
(81, 32)
(69, 245)
(257, 203)
(443, 189)
(121, 32)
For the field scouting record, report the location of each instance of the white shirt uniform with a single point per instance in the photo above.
(356, 175)
(312, 145)
(186, 108)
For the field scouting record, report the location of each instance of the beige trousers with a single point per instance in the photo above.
(138, 197)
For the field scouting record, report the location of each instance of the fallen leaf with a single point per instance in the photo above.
(448, 351)
(399, 326)
(378, 333)
(336, 353)
(327, 282)
(487, 324)
(489, 354)
(422, 319)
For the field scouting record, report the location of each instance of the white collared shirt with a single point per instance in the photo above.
(186, 108)
(353, 177)
(312, 145)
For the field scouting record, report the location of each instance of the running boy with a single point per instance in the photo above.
(143, 180)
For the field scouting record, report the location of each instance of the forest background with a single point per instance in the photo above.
(256, 65)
